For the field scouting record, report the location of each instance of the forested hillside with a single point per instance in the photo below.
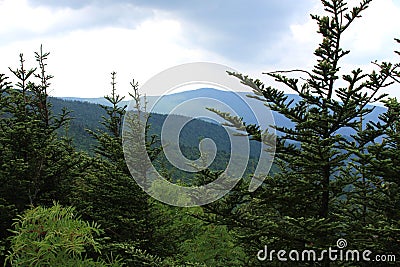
(69, 196)
(85, 118)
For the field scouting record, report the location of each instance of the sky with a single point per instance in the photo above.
(87, 40)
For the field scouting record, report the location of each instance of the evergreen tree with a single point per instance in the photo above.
(305, 205)
(109, 195)
(375, 198)
(37, 166)
(379, 192)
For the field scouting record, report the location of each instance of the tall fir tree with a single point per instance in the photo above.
(37, 166)
(305, 205)
(375, 200)
(110, 196)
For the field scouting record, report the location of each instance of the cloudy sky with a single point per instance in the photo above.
(140, 38)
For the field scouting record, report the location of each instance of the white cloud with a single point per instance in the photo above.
(369, 38)
(18, 16)
(89, 42)
(372, 35)
(82, 60)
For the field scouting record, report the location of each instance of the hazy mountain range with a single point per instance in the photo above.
(194, 103)
(190, 107)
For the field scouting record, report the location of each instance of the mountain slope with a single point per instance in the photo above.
(193, 104)
(87, 115)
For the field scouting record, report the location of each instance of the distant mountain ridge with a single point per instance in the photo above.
(87, 115)
(97, 100)
(244, 106)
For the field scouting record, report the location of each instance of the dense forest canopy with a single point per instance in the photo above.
(67, 197)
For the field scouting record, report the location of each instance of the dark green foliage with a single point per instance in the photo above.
(37, 167)
(35, 163)
(307, 203)
(375, 200)
(84, 115)
(109, 195)
(323, 186)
